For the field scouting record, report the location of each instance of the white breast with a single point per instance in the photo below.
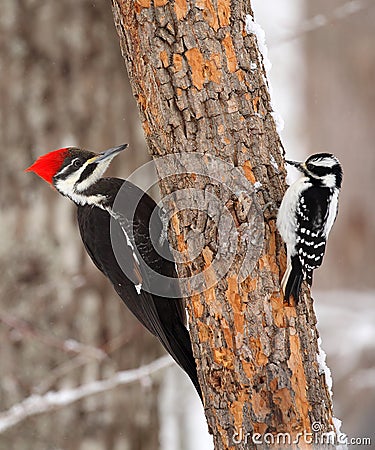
(286, 218)
(332, 212)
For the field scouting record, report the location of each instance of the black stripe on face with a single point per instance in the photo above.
(73, 162)
(319, 171)
(87, 172)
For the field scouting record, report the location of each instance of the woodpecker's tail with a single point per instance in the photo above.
(181, 351)
(292, 279)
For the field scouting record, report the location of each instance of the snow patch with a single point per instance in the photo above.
(257, 185)
(252, 27)
(323, 368)
(274, 163)
(341, 437)
(279, 121)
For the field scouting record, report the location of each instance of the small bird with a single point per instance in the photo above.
(305, 218)
(137, 233)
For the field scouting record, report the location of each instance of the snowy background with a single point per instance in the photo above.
(61, 326)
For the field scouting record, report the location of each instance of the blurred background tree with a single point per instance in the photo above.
(63, 82)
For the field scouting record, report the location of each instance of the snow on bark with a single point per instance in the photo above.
(252, 27)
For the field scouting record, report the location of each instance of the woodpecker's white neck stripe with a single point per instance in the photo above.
(70, 187)
(325, 162)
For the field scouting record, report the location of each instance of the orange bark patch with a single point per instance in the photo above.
(256, 101)
(144, 3)
(224, 357)
(220, 129)
(227, 333)
(203, 70)
(142, 101)
(160, 2)
(212, 68)
(209, 13)
(256, 348)
(180, 8)
(278, 311)
(247, 168)
(209, 272)
(298, 381)
(268, 260)
(164, 58)
(236, 409)
(230, 53)
(196, 63)
(283, 400)
(181, 244)
(260, 427)
(240, 75)
(146, 128)
(259, 404)
(177, 62)
(237, 306)
(197, 305)
(203, 331)
(223, 12)
(248, 368)
(250, 284)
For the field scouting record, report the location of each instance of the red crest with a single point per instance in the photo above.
(48, 165)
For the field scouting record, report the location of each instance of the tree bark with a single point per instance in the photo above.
(201, 89)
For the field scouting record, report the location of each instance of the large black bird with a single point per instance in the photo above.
(136, 231)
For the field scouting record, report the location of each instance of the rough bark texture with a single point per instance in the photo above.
(199, 82)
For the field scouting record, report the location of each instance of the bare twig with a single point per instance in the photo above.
(40, 404)
(27, 329)
(81, 360)
(320, 20)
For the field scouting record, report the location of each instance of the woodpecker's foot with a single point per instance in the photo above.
(272, 211)
(291, 301)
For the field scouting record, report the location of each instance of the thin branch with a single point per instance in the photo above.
(26, 329)
(81, 360)
(40, 404)
(320, 20)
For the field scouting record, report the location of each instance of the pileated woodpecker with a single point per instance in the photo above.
(77, 174)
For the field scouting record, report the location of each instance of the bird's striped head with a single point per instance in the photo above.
(73, 171)
(322, 168)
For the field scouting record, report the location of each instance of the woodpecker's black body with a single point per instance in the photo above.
(312, 213)
(163, 317)
(79, 178)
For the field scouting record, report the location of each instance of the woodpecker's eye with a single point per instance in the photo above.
(310, 166)
(77, 163)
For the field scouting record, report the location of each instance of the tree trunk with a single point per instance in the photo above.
(200, 84)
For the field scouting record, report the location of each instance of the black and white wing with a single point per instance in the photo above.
(312, 216)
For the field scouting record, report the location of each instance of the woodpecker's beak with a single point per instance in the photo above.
(293, 163)
(298, 165)
(110, 153)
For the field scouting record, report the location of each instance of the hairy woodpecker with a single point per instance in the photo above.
(77, 174)
(305, 218)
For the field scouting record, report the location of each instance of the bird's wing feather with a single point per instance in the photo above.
(94, 226)
(312, 213)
